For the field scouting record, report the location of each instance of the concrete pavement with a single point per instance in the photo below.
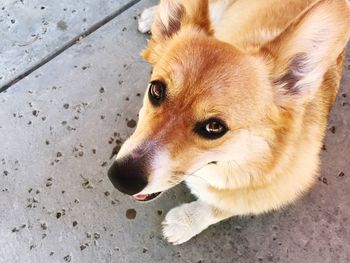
(59, 125)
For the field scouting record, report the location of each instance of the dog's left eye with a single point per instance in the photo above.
(212, 129)
(156, 91)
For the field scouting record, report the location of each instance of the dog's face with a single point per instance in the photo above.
(206, 102)
(209, 102)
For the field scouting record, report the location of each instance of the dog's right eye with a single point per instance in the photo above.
(156, 92)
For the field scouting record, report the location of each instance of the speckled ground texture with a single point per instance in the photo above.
(59, 125)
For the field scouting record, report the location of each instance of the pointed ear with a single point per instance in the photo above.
(172, 16)
(304, 52)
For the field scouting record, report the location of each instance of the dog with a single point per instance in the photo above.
(237, 106)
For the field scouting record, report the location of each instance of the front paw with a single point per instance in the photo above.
(146, 20)
(180, 225)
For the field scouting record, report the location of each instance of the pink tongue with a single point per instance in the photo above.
(140, 197)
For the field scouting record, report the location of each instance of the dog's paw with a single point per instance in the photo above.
(181, 224)
(146, 19)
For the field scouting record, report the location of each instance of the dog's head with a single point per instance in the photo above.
(209, 102)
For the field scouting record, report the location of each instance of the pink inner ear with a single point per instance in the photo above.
(297, 69)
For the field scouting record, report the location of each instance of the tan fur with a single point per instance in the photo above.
(240, 68)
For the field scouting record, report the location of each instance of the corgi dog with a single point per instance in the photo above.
(236, 106)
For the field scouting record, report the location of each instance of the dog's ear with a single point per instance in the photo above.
(174, 15)
(302, 54)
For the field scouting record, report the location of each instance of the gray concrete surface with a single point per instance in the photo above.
(58, 127)
(31, 30)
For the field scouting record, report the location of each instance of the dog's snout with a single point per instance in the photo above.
(128, 175)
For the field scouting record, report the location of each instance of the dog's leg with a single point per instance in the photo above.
(146, 19)
(186, 221)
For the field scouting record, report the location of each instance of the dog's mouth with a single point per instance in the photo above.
(147, 197)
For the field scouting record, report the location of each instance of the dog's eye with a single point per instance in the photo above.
(156, 92)
(212, 129)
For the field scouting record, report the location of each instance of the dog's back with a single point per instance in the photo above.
(254, 22)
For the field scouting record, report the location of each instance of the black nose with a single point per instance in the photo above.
(128, 175)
